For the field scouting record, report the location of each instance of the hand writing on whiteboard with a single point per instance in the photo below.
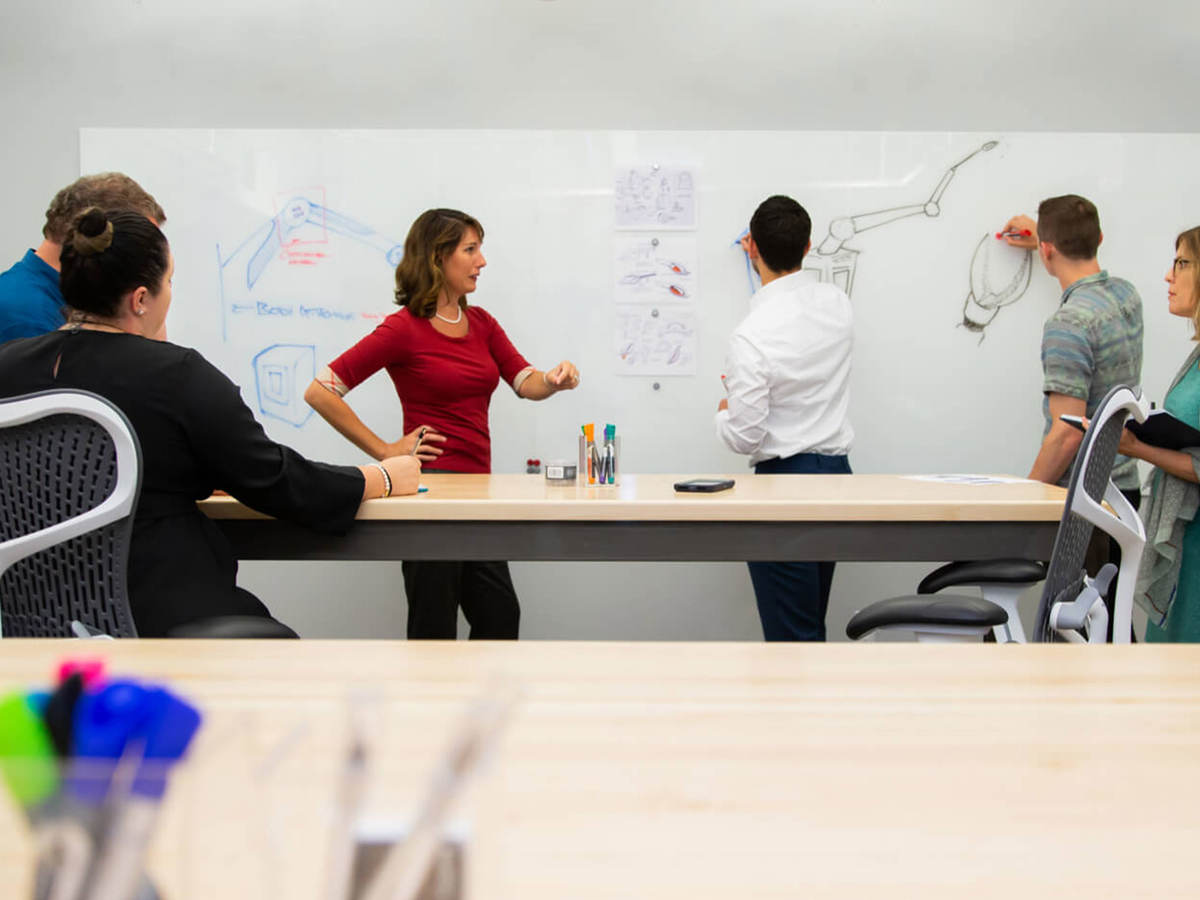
(1020, 231)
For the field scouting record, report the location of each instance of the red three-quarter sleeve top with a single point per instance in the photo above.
(445, 382)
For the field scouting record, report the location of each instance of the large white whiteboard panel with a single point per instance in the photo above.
(285, 242)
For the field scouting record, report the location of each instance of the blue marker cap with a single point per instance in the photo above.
(108, 721)
(168, 734)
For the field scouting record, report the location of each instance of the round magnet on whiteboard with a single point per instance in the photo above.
(655, 385)
(653, 242)
(654, 313)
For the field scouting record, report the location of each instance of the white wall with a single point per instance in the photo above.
(764, 64)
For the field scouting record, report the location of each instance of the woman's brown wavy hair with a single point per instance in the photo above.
(419, 277)
(1189, 242)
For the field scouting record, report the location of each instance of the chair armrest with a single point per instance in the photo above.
(984, 571)
(915, 611)
(221, 627)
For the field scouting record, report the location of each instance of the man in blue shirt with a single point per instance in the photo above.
(30, 300)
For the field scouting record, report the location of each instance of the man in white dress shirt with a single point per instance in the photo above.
(787, 381)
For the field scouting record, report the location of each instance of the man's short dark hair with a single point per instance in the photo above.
(781, 229)
(1071, 224)
(109, 191)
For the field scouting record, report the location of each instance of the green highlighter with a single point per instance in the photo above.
(27, 758)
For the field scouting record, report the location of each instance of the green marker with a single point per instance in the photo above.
(27, 759)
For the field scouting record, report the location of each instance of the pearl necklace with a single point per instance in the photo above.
(450, 321)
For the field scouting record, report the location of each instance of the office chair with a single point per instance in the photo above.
(70, 476)
(1072, 604)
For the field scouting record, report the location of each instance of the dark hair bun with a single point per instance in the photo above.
(93, 232)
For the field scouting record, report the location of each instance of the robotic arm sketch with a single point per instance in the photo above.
(836, 262)
(999, 275)
(284, 231)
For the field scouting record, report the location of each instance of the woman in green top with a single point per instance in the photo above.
(1168, 585)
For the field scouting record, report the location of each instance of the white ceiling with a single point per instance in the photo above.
(793, 64)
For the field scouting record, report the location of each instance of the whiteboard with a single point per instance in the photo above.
(285, 243)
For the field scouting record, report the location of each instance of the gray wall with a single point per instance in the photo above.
(777, 64)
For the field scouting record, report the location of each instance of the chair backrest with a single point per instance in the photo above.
(70, 474)
(1090, 486)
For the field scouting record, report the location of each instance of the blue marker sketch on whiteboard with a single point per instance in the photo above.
(835, 262)
(281, 373)
(297, 235)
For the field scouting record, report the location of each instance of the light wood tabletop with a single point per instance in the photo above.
(693, 770)
(839, 517)
(752, 498)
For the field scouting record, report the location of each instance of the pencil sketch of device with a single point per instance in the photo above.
(999, 276)
(658, 269)
(656, 342)
(836, 263)
(281, 373)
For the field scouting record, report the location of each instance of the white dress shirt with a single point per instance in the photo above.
(787, 374)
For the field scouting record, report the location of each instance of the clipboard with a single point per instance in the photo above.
(1161, 429)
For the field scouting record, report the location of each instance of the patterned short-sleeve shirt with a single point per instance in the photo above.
(1092, 343)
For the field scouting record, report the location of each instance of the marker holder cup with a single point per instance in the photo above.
(589, 472)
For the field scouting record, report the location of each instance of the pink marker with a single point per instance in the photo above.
(90, 670)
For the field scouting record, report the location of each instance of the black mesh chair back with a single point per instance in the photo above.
(70, 474)
(1089, 487)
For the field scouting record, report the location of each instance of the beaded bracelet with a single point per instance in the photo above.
(387, 479)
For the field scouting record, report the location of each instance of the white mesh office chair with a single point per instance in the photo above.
(70, 476)
(70, 471)
(1072, 604)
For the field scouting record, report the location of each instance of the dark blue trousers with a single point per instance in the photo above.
(792, 596)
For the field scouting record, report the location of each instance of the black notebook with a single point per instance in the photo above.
(1161, 429)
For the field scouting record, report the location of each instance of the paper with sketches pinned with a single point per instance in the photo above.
(655, 268)
(659, 341)
(654, 197)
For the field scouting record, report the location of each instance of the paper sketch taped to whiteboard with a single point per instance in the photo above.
(646, 197)
(655, 268)
(659, 341)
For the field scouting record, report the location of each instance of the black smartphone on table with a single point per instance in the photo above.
(704, 485)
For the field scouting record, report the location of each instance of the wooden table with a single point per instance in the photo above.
(697, 771)
(764, 517)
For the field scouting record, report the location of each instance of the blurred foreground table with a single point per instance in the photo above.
(691, 770)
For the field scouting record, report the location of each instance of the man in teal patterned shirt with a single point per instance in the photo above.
(1091, 343)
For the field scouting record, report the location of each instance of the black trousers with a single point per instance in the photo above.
(484, 590)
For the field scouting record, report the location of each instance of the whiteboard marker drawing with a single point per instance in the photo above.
(281, 373)
(297, 236)
(1000, 275)
(835, 262)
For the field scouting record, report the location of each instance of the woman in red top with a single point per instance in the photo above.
(445, 359)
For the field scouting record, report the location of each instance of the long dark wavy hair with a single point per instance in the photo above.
(419, 277)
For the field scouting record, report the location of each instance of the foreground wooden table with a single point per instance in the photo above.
(523, 517)
(698, 770)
